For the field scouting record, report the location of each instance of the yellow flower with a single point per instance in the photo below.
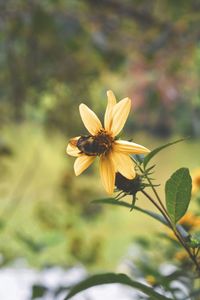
(102, 142)
(196, 181)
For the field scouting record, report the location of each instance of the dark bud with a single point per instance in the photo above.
(129, 186)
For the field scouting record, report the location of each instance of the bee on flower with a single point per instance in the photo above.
(114, 154)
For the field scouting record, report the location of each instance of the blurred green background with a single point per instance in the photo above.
(55, 55)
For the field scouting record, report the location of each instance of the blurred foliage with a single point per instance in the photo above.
(158, 261)
(45, 212)
(55, 54)
(41, 209)
(162, 263)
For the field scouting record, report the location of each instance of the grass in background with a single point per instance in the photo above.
(45, 211)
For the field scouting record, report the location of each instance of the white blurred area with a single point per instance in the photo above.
(17, 282)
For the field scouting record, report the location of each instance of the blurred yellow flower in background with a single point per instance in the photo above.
(181, 255)
(195, 181)
(151, 279)
(190, 221)
(102, 142)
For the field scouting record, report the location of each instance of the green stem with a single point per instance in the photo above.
(197, 252)
(156, 194)
(164, 212)
(174, 229)
(153, 188)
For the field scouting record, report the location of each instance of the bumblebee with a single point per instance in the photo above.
(93, 145)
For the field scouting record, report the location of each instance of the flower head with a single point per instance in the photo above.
(129, 186)
(114, 154)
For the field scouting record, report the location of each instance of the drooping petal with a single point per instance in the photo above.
(71, 147)
(82, 163)
(123, 164)
(90, 119)
(119, 115)
(129, 147)
(108, 113)
(107, 172)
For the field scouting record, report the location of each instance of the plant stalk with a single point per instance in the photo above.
(174, 229)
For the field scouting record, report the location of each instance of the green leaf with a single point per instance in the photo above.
(108, 278)
(150, 213)
(178, 194)
(147, 171)
(156, 150)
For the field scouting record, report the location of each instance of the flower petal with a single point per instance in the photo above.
(119, 115)
(71, 147)
(108, 113)
(129, 147)
(82, 163)
(107, 172)
(123, 164)
(89, 118)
